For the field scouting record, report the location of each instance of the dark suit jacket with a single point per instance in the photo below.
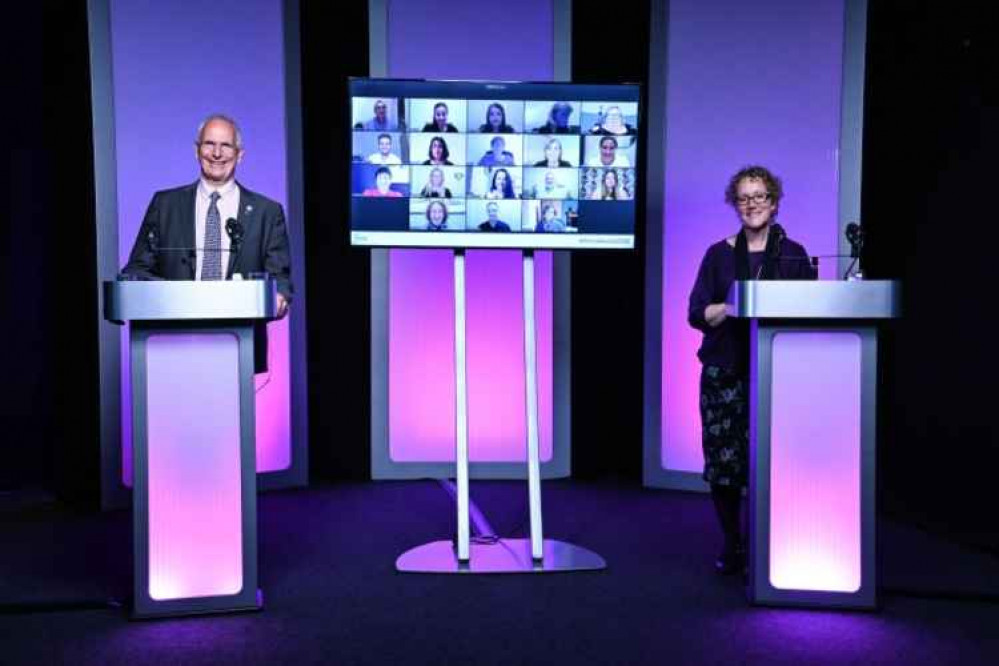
(164, 248)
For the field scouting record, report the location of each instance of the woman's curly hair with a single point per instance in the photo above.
(754, 172)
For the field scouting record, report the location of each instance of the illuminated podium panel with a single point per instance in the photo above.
(813, 380)
(194, 502)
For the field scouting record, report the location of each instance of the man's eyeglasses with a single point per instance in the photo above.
(211, 146)
(759, 198)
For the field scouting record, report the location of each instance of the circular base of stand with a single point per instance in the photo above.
(503, 556)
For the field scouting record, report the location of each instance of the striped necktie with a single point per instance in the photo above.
(211, 261)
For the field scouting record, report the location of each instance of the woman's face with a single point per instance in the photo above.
(436, 178)
(610, 180)
(755, 215)
(436, 213)
(499, 182)
(495, 116)
(553, 152)
(549, 214)
(440, 115)
(436, 150)
(383, 181)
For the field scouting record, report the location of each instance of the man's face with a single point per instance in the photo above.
(607, 149)
(384, 145)
(498, 145)
(217, 153)
(549, 178)
(493, 211)
(381, 109)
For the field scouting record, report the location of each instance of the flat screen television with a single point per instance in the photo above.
(490, 164)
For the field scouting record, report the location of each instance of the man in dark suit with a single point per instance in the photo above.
(215, 228)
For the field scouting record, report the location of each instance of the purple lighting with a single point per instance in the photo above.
(815, 462)
(746, 85)
(195, 510)
(421, 292)
(164, 84)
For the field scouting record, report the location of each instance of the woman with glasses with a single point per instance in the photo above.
(758, 251)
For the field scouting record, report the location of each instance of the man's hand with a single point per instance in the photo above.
(282, 306)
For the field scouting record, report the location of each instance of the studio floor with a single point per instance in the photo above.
(332, 594)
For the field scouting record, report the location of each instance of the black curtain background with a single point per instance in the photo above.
(930, 115)
(50, 399)
(929, 184)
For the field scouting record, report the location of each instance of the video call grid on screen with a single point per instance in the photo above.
(493, 164)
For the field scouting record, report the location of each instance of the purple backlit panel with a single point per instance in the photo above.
(747, 84)
(815, 462)
(195, 516)
(168, 75)
(421, 290)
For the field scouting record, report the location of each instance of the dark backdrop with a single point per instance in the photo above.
(929, 119)
(50, 399)
(929, 180)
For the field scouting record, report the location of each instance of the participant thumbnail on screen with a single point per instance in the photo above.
(495, 116)
(542, 183)
(381, 148)
(493, 216)
(494, 150)
(610, 118)
(495, 182)
(551, 151)
(369, 180)
(550, 216)
(441, 116)
(437, 215)
(609, 151)
(437, 149)
(438, 182)
(381, 114)
(602, 184)
(555, 117)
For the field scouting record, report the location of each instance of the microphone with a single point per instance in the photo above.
(234, 228)
(780, 235)
(855, 237)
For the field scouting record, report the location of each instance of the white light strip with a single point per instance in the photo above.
(459, 239)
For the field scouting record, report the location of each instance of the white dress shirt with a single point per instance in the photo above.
(228, 205)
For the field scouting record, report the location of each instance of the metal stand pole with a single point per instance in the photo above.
(461, 405)
(531, 383)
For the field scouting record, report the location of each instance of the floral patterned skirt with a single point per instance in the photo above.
(724, 426)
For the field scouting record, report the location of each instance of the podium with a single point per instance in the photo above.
(812, 393)
(194, 494)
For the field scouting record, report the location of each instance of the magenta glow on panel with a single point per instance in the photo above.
(421, 290)
(736, 97)
(160, 70)
(815, 462)
(195, 507)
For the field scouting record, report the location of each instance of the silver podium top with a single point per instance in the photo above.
(159, 300)
(808, 299)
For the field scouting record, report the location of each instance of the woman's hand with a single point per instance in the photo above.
(715, 314)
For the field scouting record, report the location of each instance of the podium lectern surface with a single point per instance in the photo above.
(194, 499)
(813, 370)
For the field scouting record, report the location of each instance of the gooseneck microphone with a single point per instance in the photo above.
(855, 237)
(234, 228)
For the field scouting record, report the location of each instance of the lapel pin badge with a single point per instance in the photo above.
(249, 208)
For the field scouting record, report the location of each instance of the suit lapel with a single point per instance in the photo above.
(246, 216)
(188, 212)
